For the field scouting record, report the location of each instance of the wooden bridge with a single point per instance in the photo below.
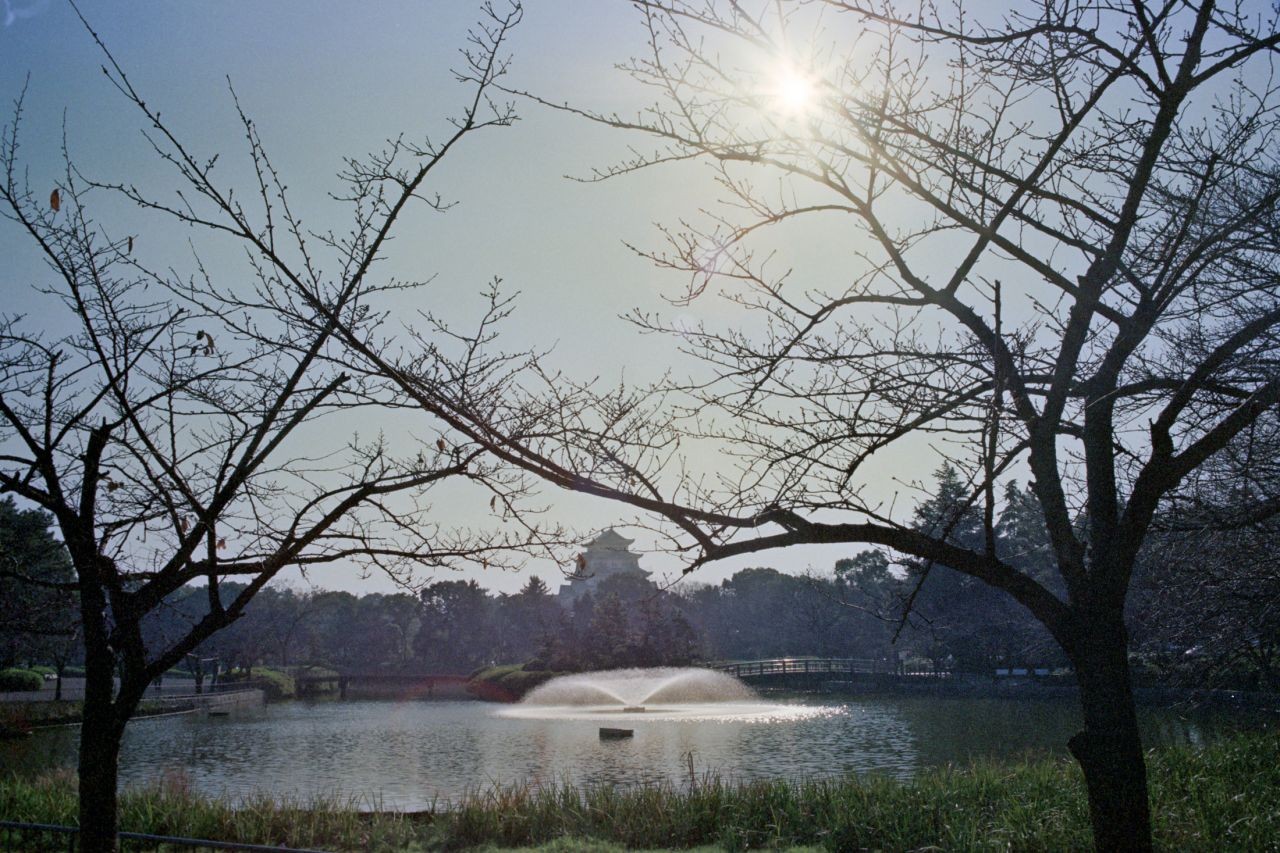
(427, 685)
(814, 671)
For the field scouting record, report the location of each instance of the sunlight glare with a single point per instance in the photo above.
(794, 92)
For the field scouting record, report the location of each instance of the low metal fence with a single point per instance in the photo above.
(42, 837)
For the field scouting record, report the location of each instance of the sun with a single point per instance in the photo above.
(793, 92)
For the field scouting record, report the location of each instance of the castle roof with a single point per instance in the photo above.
(610, 540)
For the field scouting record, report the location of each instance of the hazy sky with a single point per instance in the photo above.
(326, 79)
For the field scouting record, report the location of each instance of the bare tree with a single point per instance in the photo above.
(191, 429)
(1205, 604)
(1054, 243)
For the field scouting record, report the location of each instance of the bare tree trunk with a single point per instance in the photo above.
(1110, 747)
(100, 735)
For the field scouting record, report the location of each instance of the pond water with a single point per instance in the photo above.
(406, 755)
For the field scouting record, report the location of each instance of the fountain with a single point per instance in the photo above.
(634, 689)
(658, 693)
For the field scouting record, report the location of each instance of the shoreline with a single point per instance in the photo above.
(1160, 697)
(16, 719)
(1218, 796)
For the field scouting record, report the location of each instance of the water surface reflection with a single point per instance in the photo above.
(407, 755)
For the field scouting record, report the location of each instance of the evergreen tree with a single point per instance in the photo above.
(609, 642)
(38, 607)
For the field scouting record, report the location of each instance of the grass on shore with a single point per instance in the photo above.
(1224, 796)
(21, 716)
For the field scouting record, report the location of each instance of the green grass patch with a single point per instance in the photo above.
(1223, 797)
(21, 715)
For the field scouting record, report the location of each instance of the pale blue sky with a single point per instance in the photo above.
(327, 79)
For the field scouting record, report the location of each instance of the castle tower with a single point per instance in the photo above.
(606, 556)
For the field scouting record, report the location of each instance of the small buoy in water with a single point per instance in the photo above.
(633, 709)
(615, 734)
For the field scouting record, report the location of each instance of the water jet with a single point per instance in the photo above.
(653, 695)
(635, 689)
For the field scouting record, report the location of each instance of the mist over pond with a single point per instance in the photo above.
(408, 755)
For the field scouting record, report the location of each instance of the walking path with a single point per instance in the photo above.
(73, 688)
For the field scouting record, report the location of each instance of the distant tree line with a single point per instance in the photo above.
(1206, 610)
(38, 623)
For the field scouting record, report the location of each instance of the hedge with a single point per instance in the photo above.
(506, 683)
(20, 680)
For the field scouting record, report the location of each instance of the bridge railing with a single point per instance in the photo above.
(826, 666)
(799, 666)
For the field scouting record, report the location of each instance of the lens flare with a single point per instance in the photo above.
(795, 91)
